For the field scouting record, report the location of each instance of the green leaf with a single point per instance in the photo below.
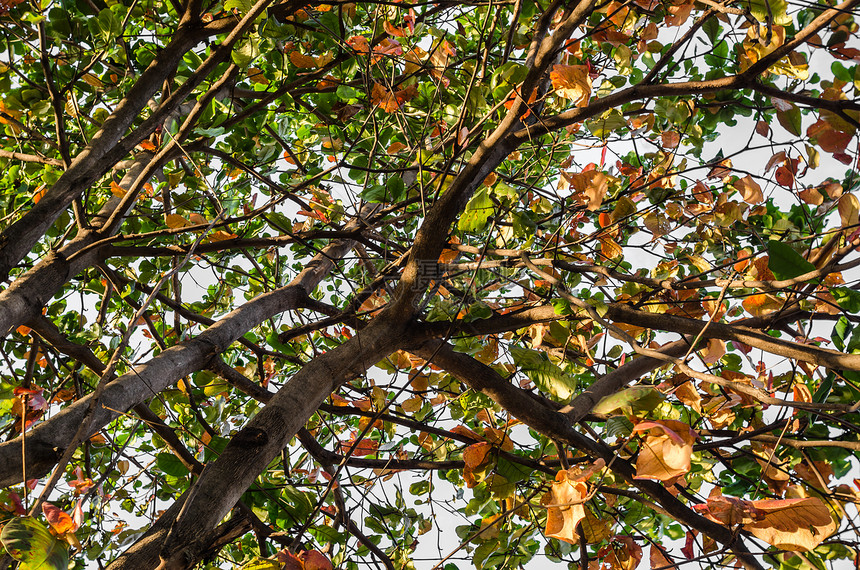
(243, 6)
(630, 401)
(784, 262)
(262, 564)
(609, 122)
(790, 120)
(547, 376)
(247, 52)
(773, 10)
(28, 541)
(848, 299)
(170, 465)
(478, 211)
(618, 426)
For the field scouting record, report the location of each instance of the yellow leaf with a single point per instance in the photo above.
(849, 207)
(92, 81)
(572, 82)
(565, 507)
(175, 221)
(594, 529)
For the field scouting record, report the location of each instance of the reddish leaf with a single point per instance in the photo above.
(784, 177)
(314, 560)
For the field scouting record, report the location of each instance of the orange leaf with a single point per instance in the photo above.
(762, 304)
(302, 61)
(221, 235)
(60, 521)
(659, 559)
(290, 561)
(572, 82)
(395, 148)
(23, 330)
(393, 30)
(147, 144)
(466, 432)
(476, 454)
(117, 190)
(792, 524)
(564, 504)
(359, 44)
(37, 195)
(666, 450)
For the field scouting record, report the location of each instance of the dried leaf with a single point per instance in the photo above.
(565, 508)
(849, 208)
(572, 82)
(762, 304)
(666, 451)
(749, 189)
(797, 525)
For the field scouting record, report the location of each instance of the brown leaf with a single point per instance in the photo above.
(565, 509)
(715, 350)
(666, 451)
(749, 190)
(670, 139)
(314, 560)
(659, 560)
(721, 170)
(688, 395)
(811, 196)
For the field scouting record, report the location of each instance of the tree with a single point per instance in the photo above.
(297, 285)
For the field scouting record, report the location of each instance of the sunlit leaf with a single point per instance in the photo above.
(28, 541)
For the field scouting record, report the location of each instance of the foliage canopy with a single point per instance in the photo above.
(328, 284)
